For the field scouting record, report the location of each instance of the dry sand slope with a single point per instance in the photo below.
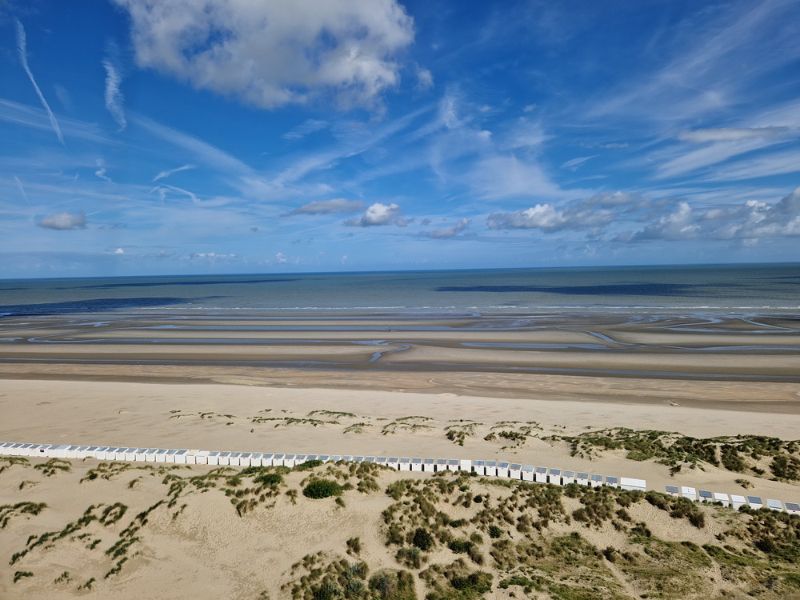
(98, 530)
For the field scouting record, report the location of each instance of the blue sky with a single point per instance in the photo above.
(192, 136)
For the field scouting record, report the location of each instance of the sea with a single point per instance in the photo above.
(707, 289)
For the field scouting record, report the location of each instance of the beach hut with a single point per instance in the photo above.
(428, 465)
(267, 459)
(527, 473)
(672, 490)
(129, 454)
(225, 458)
(631, 484)
(3, 448)
(479, 467)
(213, 458)
(79, 453)
(567, 477)
(348, 459)
(737, 501)
(540, 474)
(243, 460)
(515, 471)
(335, 458)
(358, 459)
(289, 460)
(150, 455)
(689, 492)
(255, 459)
(235, 459)
(705, 496)
(180, 456)
(277, 459)
(490, 468)
(115, 453)
(30, 449)
(161, 455)
(596, 480)
(100, 452)
(43, 449)
(792, 508)
(14, 448)
(755, 502)
(582, 478)
(441, 465)
(464, 465)
(774, 504)
(405, 463)
(91, 451)
(393, 462)
(140, 455)
(554, 476)
(416, 464)
(201, 457)
(502, 469)
(171, 454)
(612, 481)
(71, 451)
(721, 498)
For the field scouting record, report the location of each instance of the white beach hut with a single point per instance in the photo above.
(705, 496)
(244, 459)
(100, 452)
(289, 460)
(79, 453)
(416, 464)
(11, 448)
(722, 498)
(3, 448)
(224, 458)
(348, 459)
(255, 459)
(116, 453)
(567, 477)
(441, 465)
(672, 490)
(527, 473)
(596, 480)
(358, 459)
(393, 462)
(632, 484)
(502, 469)
(150, 455)
(554, 476)
(43, 449)
(465, 465)
(180, 456)
(452, 464)
(71, 452)
(490, 468)
(428, 465)
(612, 481)
(689, 492)
(171, 454)
(515, 471)
(405, 463)
(792, 508)
(268, 457)
(130, 454)
(335, 458)
(91, 451)
(582, 478)
(33, 449)
(161, 455)
(213, 458)
(540, 474)
(201, 457)
(774, 504)
(277, 459)
(479, 467)
(737, 501)
(755, 502)
(369, 459)
(141, 454)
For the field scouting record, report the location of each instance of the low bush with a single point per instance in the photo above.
(322, 488)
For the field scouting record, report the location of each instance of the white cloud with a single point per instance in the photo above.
(119, 251)
(270, 54)
(449, 232)
(424, 78)
(327, 207)
(379, 214)
(32, 117)
(575, 163)
(281, 258)
(305, 128)
(506, 176)
(63, 221)
(101, 172)
(169, 172)
(542, 216)
(113, 94)
(777, 163)
(730, 134)
(22, 50)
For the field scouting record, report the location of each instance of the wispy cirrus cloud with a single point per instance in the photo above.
(113, 93)
(328, 207)
(22, 50)
(169, 172)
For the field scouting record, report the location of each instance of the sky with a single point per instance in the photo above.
(232, 136)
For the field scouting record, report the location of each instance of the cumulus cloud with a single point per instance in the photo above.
(271, 54)
(748, 221)
(328, 207)
(379, 214)
(63, 221)
(589, 213)
(22, 50)
(542, 216)
(113, 94)
(449, 232)
(305, 128)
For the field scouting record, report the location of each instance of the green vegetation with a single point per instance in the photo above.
(750, 454)
(53, 466)
(8, 511)
(322, 488)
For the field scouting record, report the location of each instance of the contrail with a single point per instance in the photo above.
(22, 189)
(23, 58)
(167, 173)
(113, 95)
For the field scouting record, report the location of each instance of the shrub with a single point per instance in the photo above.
(308, 465)
(422, 539)
(322, 488)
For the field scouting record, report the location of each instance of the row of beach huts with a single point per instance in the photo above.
(488, 468)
